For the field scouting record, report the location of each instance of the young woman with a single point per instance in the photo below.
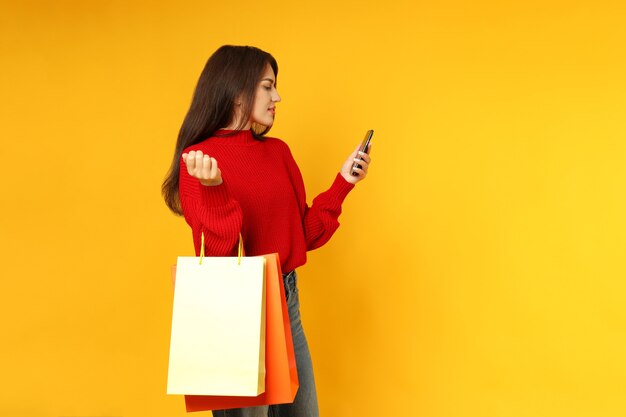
(228, 178)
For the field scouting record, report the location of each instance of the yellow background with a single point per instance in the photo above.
(479, 270)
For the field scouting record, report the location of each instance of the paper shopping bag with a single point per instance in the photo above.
(217, 344)
(281, 383)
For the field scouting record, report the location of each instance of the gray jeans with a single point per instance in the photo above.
(305, 403)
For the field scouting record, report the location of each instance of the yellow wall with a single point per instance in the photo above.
(479, 271)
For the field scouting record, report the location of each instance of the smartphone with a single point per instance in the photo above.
(363, 148)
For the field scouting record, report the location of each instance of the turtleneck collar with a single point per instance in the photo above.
(240, 137)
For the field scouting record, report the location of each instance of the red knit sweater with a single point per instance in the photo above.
(263, 196)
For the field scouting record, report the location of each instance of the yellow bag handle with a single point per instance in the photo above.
(239, 249)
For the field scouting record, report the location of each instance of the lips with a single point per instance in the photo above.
(272, 110)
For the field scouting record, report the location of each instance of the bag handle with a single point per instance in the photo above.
(239, 248)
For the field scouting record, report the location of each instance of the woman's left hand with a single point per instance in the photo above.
(363, 159)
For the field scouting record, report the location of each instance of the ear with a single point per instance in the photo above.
(237, 121)
(237, 110)
(238, 100)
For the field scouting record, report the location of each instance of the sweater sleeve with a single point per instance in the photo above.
(320, 220)
(210, 210)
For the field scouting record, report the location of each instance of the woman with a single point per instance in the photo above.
(227, 178)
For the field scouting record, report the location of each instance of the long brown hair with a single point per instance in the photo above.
(231, 73)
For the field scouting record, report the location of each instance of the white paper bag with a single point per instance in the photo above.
(217, 344)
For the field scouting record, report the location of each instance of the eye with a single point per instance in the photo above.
(267, 87)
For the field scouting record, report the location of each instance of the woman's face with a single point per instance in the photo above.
(265, 99)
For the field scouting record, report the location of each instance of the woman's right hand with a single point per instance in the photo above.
(203, 167)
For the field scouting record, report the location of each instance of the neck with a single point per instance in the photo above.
(236, 125)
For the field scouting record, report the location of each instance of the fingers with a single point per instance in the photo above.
(213, 173)
(362, 167)
(199, 161)
(193, 160)
(365, 157)
(190, 161)
(198, 164)
(363, 160)
(202, 167)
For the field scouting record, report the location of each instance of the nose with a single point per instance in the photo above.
(276, 97)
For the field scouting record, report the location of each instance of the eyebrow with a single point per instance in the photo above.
(268, 79)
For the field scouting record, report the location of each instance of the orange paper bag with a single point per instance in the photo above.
(281, 379)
